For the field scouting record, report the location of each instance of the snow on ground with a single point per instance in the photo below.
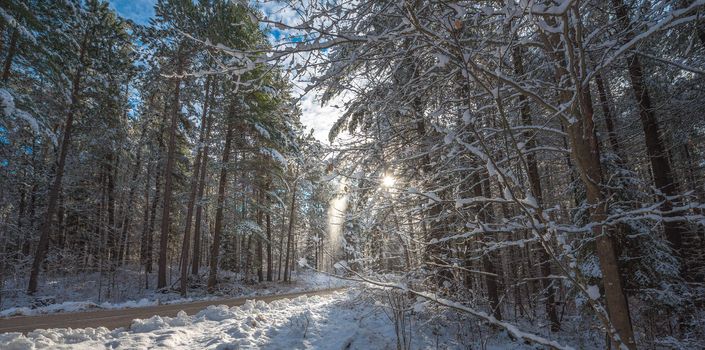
(343, 320)
(72, 306)
(70, 295)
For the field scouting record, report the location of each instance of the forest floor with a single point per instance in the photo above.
(359, 317)
(341, 320)
(125, 289)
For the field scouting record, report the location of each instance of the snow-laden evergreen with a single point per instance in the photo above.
(527, 169)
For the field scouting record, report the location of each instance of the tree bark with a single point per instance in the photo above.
(292, 218)
(128, 204)
(481, 188)
(535, 184)
(269, 237)
(664, 178)
(607, 112)
(110, 192)
(282, 222)
(55, 188)
(192, 197)
(168, 179)
(247, 250)
(195, 264)
(201, 188)
(145, 217)
(2, 36)
(585, 148)
(31, 215)
(153, 219)
(259, 251)
(157, 189)
(11, 51)
(99, 224)
(20, 216)
(215, 245)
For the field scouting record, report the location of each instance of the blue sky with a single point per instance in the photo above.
(137, 10)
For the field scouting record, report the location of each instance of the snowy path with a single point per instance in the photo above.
(112, 319)
(333, 321)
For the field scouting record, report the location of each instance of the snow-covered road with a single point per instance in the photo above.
(354, 318)
(320, 322)
(116, 318)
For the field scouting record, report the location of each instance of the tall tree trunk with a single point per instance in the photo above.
(282, 223)
(201, 188)
(192, 197)
(586, 152)
(20, 216)
(259, 249)
(110, 229)
(60, 237)
(535, 184)
(269, 237)
(55, 188)
(168, 179)
(30, 217)
(481, 188)
(99, 224)
(11, 51)
(292, 218)
(215, 245)
(3, 257)
(145, 217)
(607, 112)
(153, 218)
(2, 36)
(433, 252)
(128, 204)
(195, 264)
(157, 194)
(237, 241)
(664, 178)
(247, 250)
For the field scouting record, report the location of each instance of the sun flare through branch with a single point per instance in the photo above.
(388, 181)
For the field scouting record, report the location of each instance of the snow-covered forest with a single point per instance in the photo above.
(500, 173)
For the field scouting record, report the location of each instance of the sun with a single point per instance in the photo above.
(388, 181)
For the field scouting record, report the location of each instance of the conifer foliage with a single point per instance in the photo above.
(524, 163)
(138, 147)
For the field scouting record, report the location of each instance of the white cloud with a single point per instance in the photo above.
(278, 11)
(320, 118)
